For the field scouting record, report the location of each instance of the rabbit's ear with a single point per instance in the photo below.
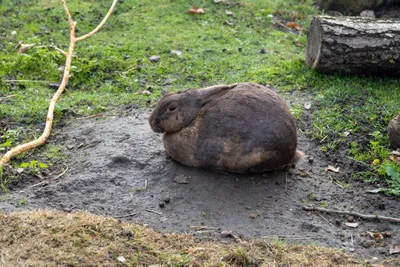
(207, 94)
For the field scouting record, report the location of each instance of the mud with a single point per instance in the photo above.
(117, 167)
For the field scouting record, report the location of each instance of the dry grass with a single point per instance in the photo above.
(50, 238)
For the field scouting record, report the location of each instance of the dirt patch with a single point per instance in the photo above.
(117, 167)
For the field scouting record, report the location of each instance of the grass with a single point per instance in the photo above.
(47, 238)
(113, 67)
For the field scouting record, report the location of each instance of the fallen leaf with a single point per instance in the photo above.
(377, 236)
(302, 173)
(229, 13)
(352, 225)
(332, 168)
(24, 47)
(195, 10)
(394, 249)
(298, 44)
(394, 159)
(181, 179)
(253, 216)
(121, 259)
(374, 191)
(294, 25)
(307, 105)
(392, 172)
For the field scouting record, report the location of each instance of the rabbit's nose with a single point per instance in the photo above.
(155, 126)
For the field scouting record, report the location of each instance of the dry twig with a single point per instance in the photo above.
(153, 211)
(52, 179)
(55, 48)
(355, 214)
(126, 215)
(26, 81)
(50, 114)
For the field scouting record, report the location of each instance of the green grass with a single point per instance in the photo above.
(112, 68)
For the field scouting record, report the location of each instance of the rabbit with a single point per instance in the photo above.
(239, 128)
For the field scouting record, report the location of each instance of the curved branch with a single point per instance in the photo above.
(98, 26)
(70, 20)
(50, 114)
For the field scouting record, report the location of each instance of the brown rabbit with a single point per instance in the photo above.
(238, 128)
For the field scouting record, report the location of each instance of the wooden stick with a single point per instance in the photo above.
(352, 213)
(153, 211)
(52, 179)
(54, 47)
(25, 81)
(50, 114)
(126, 215)
(100, 25)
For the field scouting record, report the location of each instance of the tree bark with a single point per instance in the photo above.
(354, 6)
(354, 45)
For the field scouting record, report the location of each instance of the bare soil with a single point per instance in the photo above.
(117, 167)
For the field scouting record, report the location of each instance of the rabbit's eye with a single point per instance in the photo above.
(171, 108)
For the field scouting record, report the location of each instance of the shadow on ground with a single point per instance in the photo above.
(117, 167)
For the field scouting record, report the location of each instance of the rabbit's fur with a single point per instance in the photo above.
(238, 128)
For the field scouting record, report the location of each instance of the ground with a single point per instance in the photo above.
(111, 164)
(117, 167)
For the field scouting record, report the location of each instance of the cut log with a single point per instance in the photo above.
(354, 7)
(354, 45)
(394, 131)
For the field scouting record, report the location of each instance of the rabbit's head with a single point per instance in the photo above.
(176, 111)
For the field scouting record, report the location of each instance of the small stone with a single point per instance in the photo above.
(146, 92)
(368, 14)
(367, 243)
(181, 179)
(263, 51)
(154, 58)
(311, 160)
(374, 259)
(167, 200)
(176, 52)
(387, 234)
(226, 233)
(69, 147)
(127, 233)
(350, 218)
(161, 204)
(121, 259)
(254, 262)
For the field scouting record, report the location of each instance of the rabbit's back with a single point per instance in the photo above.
(248, 129)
